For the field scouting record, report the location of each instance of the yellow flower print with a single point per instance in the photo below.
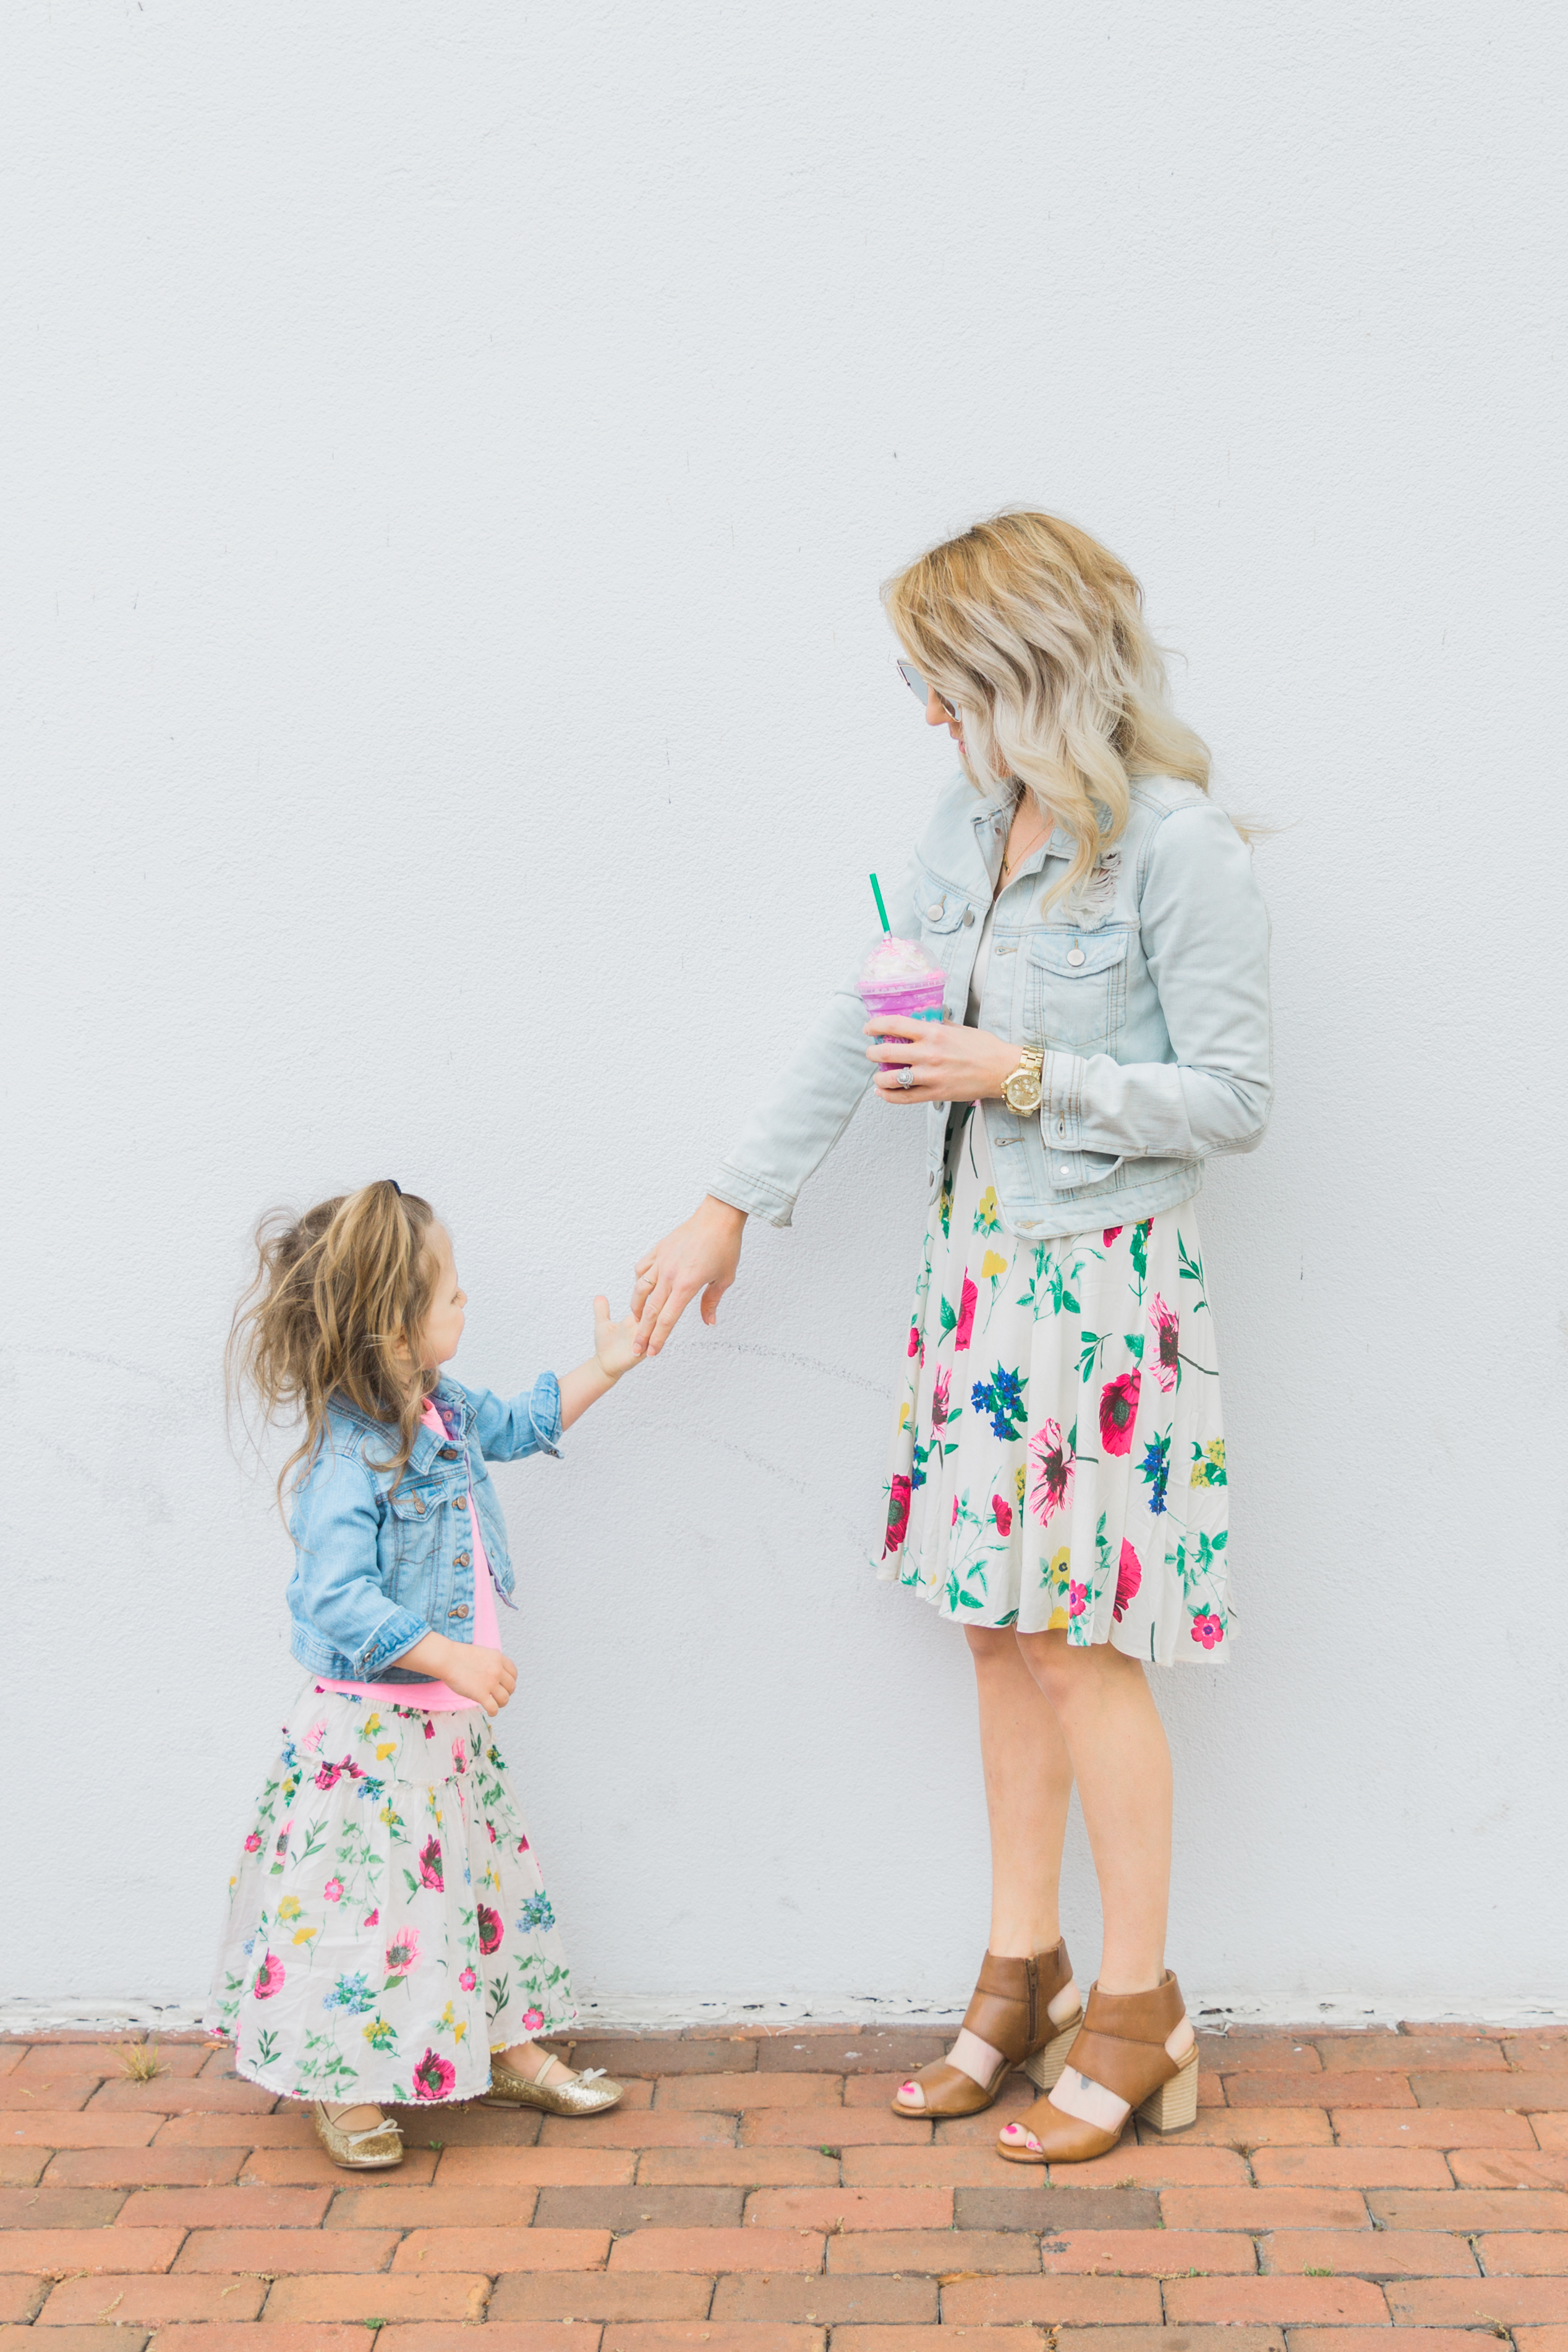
(1059, 1621)
(990, 1265)
(903, 1416)
(987, 1216)
(1209, 1469)
(1060, 1569)
(370, 1727)
(459, 2032)
(290, 1907)
(385, 1748)
(303, 1935)
(1019, 1481)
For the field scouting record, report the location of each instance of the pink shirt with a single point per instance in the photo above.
(436, 1697)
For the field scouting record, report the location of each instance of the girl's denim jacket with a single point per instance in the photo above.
(375, 1569)
(1149, 995)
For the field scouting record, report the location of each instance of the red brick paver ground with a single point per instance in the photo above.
(754, 2195)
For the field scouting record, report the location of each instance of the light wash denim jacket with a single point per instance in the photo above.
(375, 1572)
(1149, 995)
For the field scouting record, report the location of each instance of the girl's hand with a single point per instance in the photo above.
(615, 1348)
(487, 1676)
(950, 1064)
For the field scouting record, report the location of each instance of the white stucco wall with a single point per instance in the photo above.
(448, 721)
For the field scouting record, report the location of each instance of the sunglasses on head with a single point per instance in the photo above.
(920, 690)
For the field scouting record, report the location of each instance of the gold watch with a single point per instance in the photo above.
(1021, 1090)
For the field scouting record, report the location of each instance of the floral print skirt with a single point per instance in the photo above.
(1057, 1461)
(387, 1923)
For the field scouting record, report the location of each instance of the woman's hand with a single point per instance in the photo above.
(950, 1064)
(488, 1677)
(702, 1254)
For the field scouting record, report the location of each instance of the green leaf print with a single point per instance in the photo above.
(1010, 1619)
(949, 1319)
(1093, 1345)
(1134, 1342)
(1193, 1271)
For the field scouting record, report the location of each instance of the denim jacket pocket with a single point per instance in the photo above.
(1076, 997)
(945, 914)
(416, 1514)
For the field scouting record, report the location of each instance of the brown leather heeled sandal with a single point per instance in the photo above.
(1122, 2049)
(1011, 2011)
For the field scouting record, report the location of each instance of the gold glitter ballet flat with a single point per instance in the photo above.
(591, 2093)
(358, 2151)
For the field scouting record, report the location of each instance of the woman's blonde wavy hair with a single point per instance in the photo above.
(336, 1305)
(1035, 634)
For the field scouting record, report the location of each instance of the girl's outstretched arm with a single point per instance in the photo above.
(614, 1352)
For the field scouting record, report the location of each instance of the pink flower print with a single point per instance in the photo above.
(1207, 1629)
(489, 1928)
(491, 1827)
(1054, 1464)
(333, 1890)
(914, 1339)
(968, 1300)
(1129, 1577)
(1077, 1599)
(430, 1729)
(372, 1918)
(532, 2019)
(939, 1401)
(1119, 1410)
(1003, 1514)
(313, 1738)
(253, 1843)
(468, 1980)
(898, 1516)
(1167, 1328)
(269, 1978)
(430, 1864)
(459, 1756)
(434, 2076)
(522, 1846)
(403, 1952)
(1108, 1236)
(953, 1521)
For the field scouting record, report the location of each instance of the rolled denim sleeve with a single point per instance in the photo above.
(336, 1524)
(1205, 939)
(791, 1131)
(508, 1428)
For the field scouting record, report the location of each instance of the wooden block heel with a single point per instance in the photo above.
(1174, 2105)
(1045, 2068)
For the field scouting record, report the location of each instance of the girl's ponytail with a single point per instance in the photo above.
(335, 1310)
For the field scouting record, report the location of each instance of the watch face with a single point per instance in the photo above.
(1023, 1092)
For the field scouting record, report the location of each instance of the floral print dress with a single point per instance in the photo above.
(1057, 1461)
(387, 1922)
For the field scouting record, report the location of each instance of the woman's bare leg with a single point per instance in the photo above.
(1028, 1783)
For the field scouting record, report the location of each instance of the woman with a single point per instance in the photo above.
(1058, 1479)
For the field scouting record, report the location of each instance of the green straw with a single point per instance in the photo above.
(877, 894)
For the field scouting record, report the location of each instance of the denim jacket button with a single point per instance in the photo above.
(1075, 955)
(462, 1559)
(419, 1505)
(461, 1500)
(968, 918)
(447, 1453)
(460, 1611)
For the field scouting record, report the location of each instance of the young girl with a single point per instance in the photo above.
(388, 1928)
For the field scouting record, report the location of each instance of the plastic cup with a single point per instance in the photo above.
(916, 992)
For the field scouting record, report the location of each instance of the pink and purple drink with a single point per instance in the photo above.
(900, 980)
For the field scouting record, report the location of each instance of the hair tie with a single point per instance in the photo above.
(396, 1186)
